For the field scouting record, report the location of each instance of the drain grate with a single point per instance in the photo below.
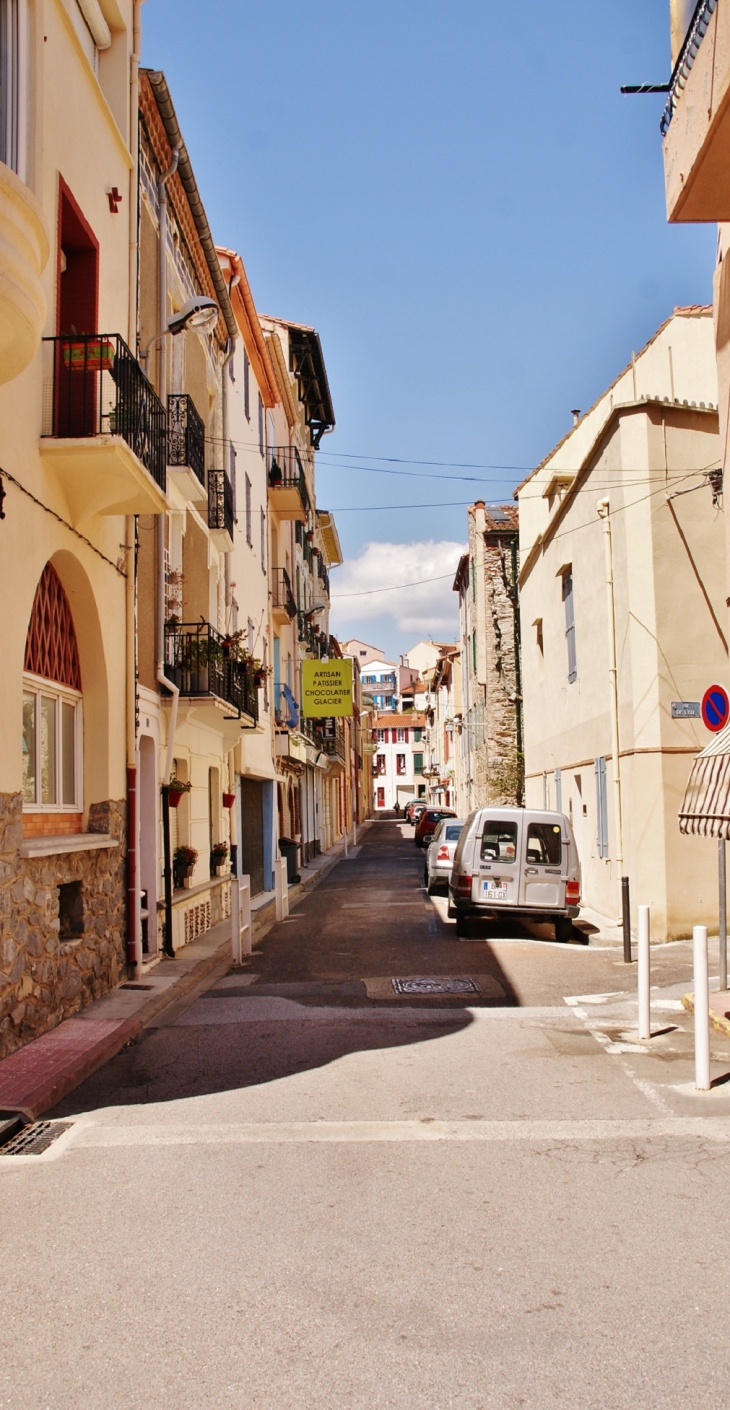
(136, 986)
(35, 1138)
(436, 986)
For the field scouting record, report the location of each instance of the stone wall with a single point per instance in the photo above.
(505, 768)
(44, 978)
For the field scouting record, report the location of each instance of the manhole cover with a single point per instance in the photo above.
(436, 986)
(35, 1138)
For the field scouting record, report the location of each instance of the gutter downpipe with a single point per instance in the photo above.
(233, 814)
(134, 947)
(167, 948)
(603, 508)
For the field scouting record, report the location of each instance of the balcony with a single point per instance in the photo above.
(25, 253)
(283, 606)
(203, 665)
(288, 495)
(104, 429)
(315, 643)
(186, 446)
(696, 121)
(323, 575)
(220, 509)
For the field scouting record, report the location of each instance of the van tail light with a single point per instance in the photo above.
(463, 886)
(443, 854)
(572, 893)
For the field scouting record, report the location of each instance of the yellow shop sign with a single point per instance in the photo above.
(326, 688)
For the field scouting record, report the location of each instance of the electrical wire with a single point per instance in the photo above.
(368, 592)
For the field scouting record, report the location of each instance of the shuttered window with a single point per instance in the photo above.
(570, 624)
(601, 808)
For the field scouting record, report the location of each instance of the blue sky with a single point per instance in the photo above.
(472, 216)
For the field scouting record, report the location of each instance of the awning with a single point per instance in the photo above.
(705, 810)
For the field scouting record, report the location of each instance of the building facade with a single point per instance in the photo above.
(399, 759)
(622, 605)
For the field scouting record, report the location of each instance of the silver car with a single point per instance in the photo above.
(520, 862)
(440, 854)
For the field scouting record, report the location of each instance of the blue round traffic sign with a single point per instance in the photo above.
(715, 708)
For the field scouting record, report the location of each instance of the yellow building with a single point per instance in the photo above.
(622, 607)
(82, 446)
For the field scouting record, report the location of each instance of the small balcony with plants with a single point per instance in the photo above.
(221, 509)
(288, 494)
(186, 446)
(104, 429)
(216, 672)
(283, 605)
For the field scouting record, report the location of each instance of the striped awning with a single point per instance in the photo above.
(705, 810)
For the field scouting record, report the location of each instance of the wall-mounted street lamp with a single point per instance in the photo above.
(199, 313)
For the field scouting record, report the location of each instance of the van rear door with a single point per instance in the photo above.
(498, 878)
(542, 869)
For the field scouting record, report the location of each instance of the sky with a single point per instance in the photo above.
(461, 202)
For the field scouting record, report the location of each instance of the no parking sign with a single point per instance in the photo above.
(715, 708)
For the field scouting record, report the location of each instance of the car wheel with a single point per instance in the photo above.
(563, 930)
(430, 885)
(425, 877)
(462, 925)
(451, 910)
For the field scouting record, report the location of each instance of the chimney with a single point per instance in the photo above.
(575, 413)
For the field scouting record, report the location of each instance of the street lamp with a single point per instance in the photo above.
(199, 312)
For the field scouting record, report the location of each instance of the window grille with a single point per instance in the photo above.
(51, 649)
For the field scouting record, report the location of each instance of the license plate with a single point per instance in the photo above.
(491, 892)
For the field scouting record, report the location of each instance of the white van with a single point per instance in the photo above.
(521, 862)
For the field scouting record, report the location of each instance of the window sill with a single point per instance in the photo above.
(66, 842)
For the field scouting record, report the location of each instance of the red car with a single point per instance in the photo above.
(428, 822)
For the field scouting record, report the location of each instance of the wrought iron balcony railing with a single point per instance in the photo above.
(199, 661)
(287, 472)
(323, 575)
(94, 386)
(185, 435)
(220, 502)
(686, 57)
(283, 597)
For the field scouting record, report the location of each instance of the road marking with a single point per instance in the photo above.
(713, 1128)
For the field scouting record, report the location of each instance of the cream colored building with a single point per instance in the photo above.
(622, 562)
(75, 469)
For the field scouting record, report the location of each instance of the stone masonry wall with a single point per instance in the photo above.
(504, 767)
(44, 979)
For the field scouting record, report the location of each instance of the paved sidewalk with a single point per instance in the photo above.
(37, 1076)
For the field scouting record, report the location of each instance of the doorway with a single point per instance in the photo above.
(252, 833)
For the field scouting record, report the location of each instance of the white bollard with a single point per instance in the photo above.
(235, 920)
(702, 1008)
(345, 840)
(354, 833)
(281, 888)
(644, 973)
(245, 915)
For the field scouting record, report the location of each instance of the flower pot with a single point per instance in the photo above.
(174, 795)
(222, 870)
(187, 882)
(96, 356)
(229, 800)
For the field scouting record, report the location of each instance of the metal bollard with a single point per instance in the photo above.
(644, 973)
(281, 888)
(702, 1008)
(626, 918)
(235, 920)
(245, 915)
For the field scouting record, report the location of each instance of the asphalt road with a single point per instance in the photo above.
(300, 1187)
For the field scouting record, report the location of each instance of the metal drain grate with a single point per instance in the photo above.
(436, 986)
(136, 986)
(35, 1138)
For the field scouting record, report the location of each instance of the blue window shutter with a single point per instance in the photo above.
(570, 625)
(601, 808)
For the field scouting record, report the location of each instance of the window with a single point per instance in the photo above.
(51, 718)
(380, 764)
(380, 736)
(251, 633)
(249, 538)
(246, 386)
(539, 636)
(544, 844)
(400, 763)
(381, 798)
(474, 651)
(418, 763)
(601, 808)
(418, 735)
(363, 653)
(261, 425)
(499, 842)
(569, 623)
(13, 94)
(263, 541)
(402, 736)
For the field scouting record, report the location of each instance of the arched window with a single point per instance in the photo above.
(51, 702)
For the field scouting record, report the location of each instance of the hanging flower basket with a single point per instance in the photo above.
(229, 800)
(176, 789)
(94, 356)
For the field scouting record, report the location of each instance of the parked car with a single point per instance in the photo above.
(428, 822)
(414, 810)
(440, 854)
(519, 862)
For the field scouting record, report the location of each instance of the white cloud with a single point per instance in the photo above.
(428, 610)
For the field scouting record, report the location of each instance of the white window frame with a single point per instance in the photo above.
(62, 694)
(14, 85)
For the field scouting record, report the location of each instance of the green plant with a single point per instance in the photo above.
(179, 785)
(220, 849)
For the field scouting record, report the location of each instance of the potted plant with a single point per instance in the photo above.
(183, 864)
(175, 790)
(219, 854)
(276, 474)
(229, 800)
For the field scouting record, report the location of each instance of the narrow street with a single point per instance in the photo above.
(302, 1186)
